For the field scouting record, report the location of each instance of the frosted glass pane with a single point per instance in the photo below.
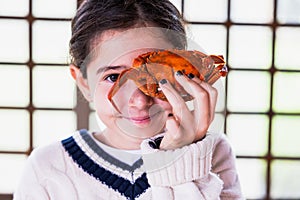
(243, 11)
(14, 85)
(14, 40)
(286, 136)
(203, 10)
(287, 48)
(286, 95)
(288, 11)
(95, 125)
(178, 4)
(53, 87)
(211, 38)
(248, 91)
(54, 8)
(9, 8)
(51, 41)
(91, 105)
(252, 174)
(250, 47)
(14, 134)
(50, 126)
(217, 125)
(248, 134)
(11, 167)
(285, 179)
(220, 86)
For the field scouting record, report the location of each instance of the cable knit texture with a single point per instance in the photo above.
(173, 167)
(78, 169)
(175, 170)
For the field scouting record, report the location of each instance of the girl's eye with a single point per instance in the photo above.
(112, 77)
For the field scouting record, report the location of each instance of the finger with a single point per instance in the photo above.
(202, 108)
(200, 94)
(213, 96)
(173, 132)
(180, 109)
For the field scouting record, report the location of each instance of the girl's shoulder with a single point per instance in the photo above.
(49, 157)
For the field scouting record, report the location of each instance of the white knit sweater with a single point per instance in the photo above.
(78, 168)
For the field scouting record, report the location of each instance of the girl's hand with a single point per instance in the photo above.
(185, 126)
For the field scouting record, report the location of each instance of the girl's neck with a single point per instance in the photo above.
(118, 140)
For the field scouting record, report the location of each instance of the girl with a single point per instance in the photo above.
(152, 149)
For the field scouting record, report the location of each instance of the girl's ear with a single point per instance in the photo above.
(81, 82)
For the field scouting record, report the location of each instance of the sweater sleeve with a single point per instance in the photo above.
(223, 164)
(184, 172)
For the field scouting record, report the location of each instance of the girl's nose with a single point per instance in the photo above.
(140, 101)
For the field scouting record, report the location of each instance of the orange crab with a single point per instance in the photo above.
(150, 68)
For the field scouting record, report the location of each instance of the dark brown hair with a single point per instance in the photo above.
(96, 16)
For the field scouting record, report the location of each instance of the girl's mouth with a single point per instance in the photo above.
(142, 119)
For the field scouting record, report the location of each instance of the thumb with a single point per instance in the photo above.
(172, 134)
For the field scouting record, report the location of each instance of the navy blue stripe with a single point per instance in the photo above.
(107, 157)
(123, 186)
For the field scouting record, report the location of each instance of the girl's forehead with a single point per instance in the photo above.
(113, 45)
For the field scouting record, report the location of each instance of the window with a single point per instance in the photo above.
(260, 42)
(38, 100)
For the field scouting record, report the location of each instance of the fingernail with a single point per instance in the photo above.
(153, 145)
(163, 81)
(179, 73)
(158, 141)
(191, 76)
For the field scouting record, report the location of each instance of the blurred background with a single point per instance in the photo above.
(260, 40)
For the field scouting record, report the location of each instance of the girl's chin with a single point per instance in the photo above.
(142, 128)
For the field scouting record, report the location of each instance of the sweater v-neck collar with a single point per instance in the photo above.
(106, 156)
(127, 188)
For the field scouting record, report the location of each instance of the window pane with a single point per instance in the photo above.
(248, 134)
(178, 4)
(285, 179)
(286, 96)
(243, 47)
(11, 167)
(14, 41)
(91, 104)
(285, 136)
(242, 11)
(248, 91)
(51, 41)
(288, 11)
(217, 125)
(14, 134)
(53, 87)
(50, 126)
(202, 10)
(220, 86)
(287, 48)
(209, 38)
(252, 175)
(54, 8)
(14, 7)
(94, 124)
(14, 83)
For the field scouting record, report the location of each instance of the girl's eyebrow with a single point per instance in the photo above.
(104, 69)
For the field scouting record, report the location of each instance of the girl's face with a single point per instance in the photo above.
(141, 116)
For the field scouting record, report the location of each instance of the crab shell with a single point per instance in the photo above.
(150, 68)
